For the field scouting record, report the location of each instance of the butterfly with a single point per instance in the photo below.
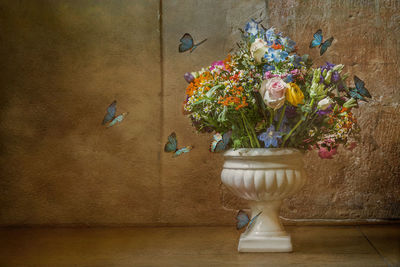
(118, 119)
(317, 41)
(110, 115)
(243, 220)
(187, 43)
(220, 142)
(172, 146)
(359, 92)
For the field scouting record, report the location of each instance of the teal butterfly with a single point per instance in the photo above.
(110, 112)
(172, 146)
(243, 220)
(359, 92)
(317, 41)
(110, 117)
(118, 119)
(220, 142)
(187, 43)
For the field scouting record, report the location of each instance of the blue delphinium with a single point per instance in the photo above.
(268, 67)
(270, 137)
(296, 61)
(287, 43)
(276, 55)
(252, 27)
(288, 78)
(270, 36)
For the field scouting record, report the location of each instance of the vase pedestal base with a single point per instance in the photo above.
(265, 243)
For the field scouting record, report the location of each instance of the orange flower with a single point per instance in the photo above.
(276, 46)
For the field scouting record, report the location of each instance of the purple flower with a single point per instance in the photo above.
(188, 77)
(327, 67)
(290, 112)
(295, 72)
(270, 137)
(335, 76)
(269, 75)
(321, 79)
(285, 128)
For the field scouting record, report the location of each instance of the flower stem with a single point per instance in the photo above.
(248, 133)
(291, 131)
(297, 125)
(281, 118)
(251, 127)
(271, 116)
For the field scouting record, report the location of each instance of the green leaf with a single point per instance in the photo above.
(212, 90)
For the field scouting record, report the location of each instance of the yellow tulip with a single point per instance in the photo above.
(294, 95)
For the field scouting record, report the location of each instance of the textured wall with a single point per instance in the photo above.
(63, 62)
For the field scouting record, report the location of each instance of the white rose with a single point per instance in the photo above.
(325, 103)
(258, 49)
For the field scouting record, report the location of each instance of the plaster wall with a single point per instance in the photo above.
(63, 62)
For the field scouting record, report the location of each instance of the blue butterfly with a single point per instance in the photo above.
(220, 142)
(110, 115)
(359, 92)
(172, 146)
(118, 119)
(187, 43)
(243, 220)
(112, 108)
(317, 41)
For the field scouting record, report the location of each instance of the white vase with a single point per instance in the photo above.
(264, 177)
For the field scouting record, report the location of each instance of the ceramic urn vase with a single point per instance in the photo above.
(264, 177)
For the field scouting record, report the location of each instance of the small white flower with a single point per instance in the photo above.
(196, 116)
(325, 103)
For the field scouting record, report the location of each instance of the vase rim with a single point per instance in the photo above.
(256, 152)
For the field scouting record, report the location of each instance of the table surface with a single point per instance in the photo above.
(366, 245)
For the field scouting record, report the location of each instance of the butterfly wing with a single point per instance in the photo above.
(242, 219)
(220, 146)
(223, 143)
(117, 119)
(186, 43)
(227, 137)
(217, 140)
(182, 150)
(360, 87)
(196, 45)
(325, 46)
(317, 40)
(251, 223)
(110, 112)
(353, 92)
(172, 143)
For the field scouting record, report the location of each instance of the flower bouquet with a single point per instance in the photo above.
(266, 95)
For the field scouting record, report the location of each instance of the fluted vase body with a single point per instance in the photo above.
(264, 177)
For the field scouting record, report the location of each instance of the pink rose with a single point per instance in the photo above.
(273, 92)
